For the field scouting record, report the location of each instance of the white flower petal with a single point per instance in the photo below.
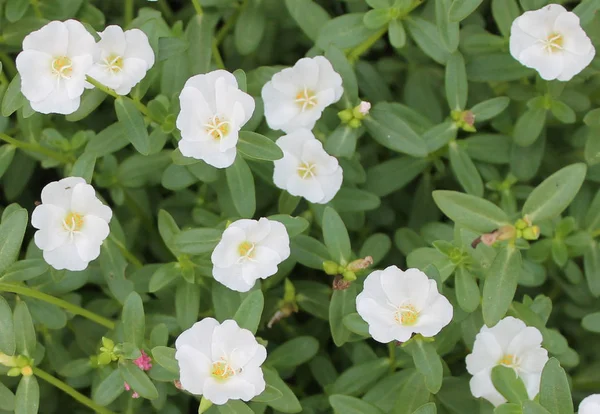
(309, 188)
(482, 386)
(134, 70)
(233, 278)
(486, 353)
(112, 41)
(52, 39)
(58, 102)
(138, 47)
(194, 368)
(65, 256)
(81, 42)
(505, 330)
(59, 192)
(527, 339)
(199, 336)
(35, 68)
(590, 405)
(84, 201)
(329, 78)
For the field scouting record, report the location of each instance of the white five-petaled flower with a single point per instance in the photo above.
(72, 224)
(220, 361)
(123, 59)
(213, 110)
(590, 405)
(295, 97)
(510, 343)
(306, 170)
(551, 41)
(53, 65)
(398, 303)
(249, 250)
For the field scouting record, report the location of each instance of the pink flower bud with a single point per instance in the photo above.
(364, 107)
(144, 362)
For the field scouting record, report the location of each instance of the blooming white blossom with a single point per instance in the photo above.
(213, 110)
(249, 250)
(295, 97)
(551, 41)
(510, 343)
(220, 361)
(398, 303)
(590, 405)
(306, 170)
(72, 224)
(53, 65)
(123, 59)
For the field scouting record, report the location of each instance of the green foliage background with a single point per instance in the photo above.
(413, 163)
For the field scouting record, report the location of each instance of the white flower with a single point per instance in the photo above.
(306, 170)
(590, 405)
(249, 250)
(72, 224)
(295, 97)
(213, 110)
(53, 65)
(551, 41)
(220, 361)
(510, 343)
(398, 303)
(123, 60)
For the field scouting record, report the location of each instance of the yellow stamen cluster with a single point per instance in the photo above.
(217, 127)
(62, 66)
(406, 315)
(114, 63)
(307, 170)
(73, 222)
(245, 249)
(306, 99)
(222, 371)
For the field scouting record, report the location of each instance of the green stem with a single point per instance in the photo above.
(71, 391)
(36, 9)
(128, 13)
(125, 252)
(28, 146)
(355, 53)
(197, 7)
(140, 106)
(227, 26)
(166, 10)
(74, 309)
(217, 56)
(392, 351)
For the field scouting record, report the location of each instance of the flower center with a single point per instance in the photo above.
(553, 43)
(306, 99)
(406, 315)
(217, 127)
(510, 361)
(222, 371)
(62, 67)
(307, 170)
(73, 222)
(114, 63)
(246, 249)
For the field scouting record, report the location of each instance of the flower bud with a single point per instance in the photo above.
(531, 233)
(506, 233)
(521, 224)
(108, 343)
(27, 371)
(355, 123)
(361, 110)
(331, 268)
(349, 276)
(345, 115)
(360, 264)
(14, 372)
(104, 358)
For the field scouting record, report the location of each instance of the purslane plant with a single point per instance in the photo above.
(246, 198)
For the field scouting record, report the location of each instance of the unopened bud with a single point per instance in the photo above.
(331, 268)
(345, 115)
(14, 372)
(349, 276)
(469, 118)
(104, 358)
(521, 224)
(27, 371)
(108, 343)
(339, 283)
(361, 110)
(360, 264)
(354, 123)
(531, 233)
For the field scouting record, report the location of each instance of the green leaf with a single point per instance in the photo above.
(412, 395)
(187, 304)
(76, 368)
(354, 200)
(591, 265)
(293, 353)
(309, 251)
(342, 141)
(25, 270)
(532, 407)
(469, 211)
(12, 231)
(250, 311)
(344, 32)
(133, 122)
(90, 101)
(25, 336)
(555, 393)
(586, 11)
(164, 275)
(590, 322)
(342, 66)
(134, 320)
(465, 171)
(7, 398)
(555, 193)
(27, 398)
(138, 380)
(165, 357)
(84, 167)
(563, 112)
(336, 237)
(241, 187)
(293, 225)
(427, 362)
(461, 9)
(288, 403)
(257, 146)
(496, 67)
(427, 37)
(448, 30)
(508, 408)
(16, 9)
(109, 389)
(7, 339)
(500, 284)
(356, 324)
(7, 153)
(467, 291)
(235, 407)
(505, 12)
(196, 241)
(529, 126)
(344, 404)
(342, 304)
(199, 33)
(359, 378)
(397, 34)
(374, 19)
(508, 383)
(403, 169)
(269, 394)
(250, 28)
(13, 98)
(388, 129)
(429, 408)
(457, 88)
(489, 109)
(308, 15)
